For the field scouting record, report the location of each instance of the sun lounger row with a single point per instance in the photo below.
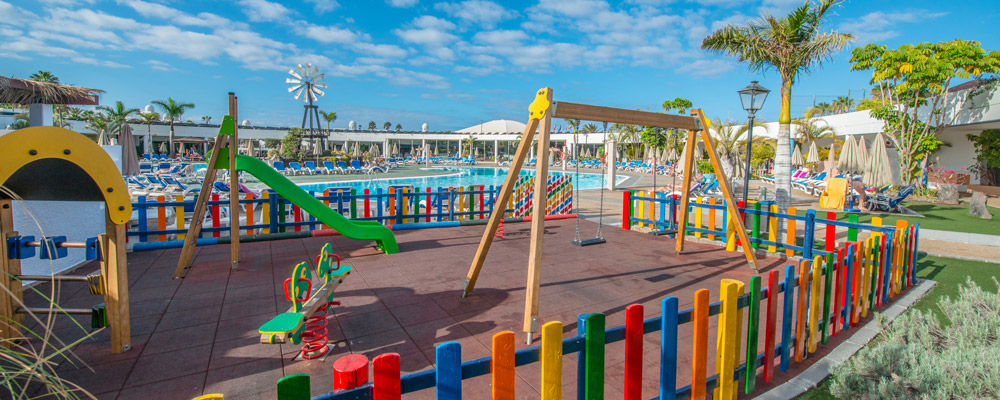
(328, 167)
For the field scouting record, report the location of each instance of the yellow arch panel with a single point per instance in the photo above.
(28, 145)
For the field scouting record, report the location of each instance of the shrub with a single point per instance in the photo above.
(705, 167)
(923, 358)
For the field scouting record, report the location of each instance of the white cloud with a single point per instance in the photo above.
(380, 50)
(331, 34)
(478, 13)
(160, 65)
(67, 2)
(706, 68)
(402, 3)
(324, 6)
(264, 11)
(878, 26)
(161, 11)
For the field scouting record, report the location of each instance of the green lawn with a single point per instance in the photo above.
(949, 273)
(937, 217)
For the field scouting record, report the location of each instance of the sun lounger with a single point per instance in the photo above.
(280, 167)
(890, 203)
(356, 166)
(297, 168)
(310, 167)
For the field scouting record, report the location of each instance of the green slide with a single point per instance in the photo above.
(360, 230)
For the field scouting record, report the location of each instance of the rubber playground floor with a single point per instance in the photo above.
(199, 334)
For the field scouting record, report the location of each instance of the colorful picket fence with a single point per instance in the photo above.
(818, 298)
(398, 206)
(803, 235)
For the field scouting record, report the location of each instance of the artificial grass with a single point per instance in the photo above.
(948, 273)
(936, 217)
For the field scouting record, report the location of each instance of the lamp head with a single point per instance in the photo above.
(753, 97)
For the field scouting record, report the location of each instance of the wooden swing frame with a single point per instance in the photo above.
(223, 140)
(541, 112)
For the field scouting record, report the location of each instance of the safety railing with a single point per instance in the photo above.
(818, 298)
(161, 218)
(795, 235)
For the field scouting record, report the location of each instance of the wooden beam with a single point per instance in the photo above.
(537, 225)
(500, 206)
(727, 193)
(586, 112)
(8, 269)
(234, 186)
(187, 252)
(116, 293)
(682, 210)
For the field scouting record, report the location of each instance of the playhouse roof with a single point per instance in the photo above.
(25, 91)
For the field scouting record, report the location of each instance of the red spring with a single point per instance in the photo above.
(314, 337)
(499, 232)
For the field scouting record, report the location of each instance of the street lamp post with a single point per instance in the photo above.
(752, 97)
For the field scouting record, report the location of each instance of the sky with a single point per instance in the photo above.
(448, 63)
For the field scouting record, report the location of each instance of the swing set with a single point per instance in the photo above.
(541, 112)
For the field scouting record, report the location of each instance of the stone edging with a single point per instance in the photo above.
(815, 374)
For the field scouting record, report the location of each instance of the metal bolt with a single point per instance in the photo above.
(111, 190)
(121, 208)
(33, 152)
(66, 152)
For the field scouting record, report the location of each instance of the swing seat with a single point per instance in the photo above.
(588, 242)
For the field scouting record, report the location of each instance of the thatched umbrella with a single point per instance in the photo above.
(25, 91)
(697, 151)
(395, 149)
(130, 160)
(848, 162)
(357, 150)
(878, 170)
(797, 160)
(163, 147)
(862, 152)
(813, 156)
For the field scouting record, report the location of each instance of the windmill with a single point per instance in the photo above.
(307, 82)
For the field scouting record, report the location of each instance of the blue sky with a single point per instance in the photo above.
(450, 63)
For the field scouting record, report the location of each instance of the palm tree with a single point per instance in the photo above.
(174, 111)
(791, 45)
(589, 128)
(844, 104)
(148, 119)
(386, 126)
(728, 142)
(469, 143)
(117, 116)
(371, 125)
(206, 119)
(399, 127)
(97, 122)
(44, 76)
(329, 117)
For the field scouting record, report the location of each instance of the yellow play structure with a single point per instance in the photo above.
(50, 163)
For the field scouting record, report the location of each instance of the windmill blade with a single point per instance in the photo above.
(313, 96)
(313, 71)
(292, 80)
(320, 84)
(293, 73)
(319, 77)
(299, 93)
(318, 91)
(294, 88)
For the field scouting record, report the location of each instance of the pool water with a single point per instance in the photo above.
(459, 176)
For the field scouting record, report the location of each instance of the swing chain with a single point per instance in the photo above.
(600, 218)
(576, 187)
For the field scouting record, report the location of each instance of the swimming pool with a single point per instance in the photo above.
(459, 176)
